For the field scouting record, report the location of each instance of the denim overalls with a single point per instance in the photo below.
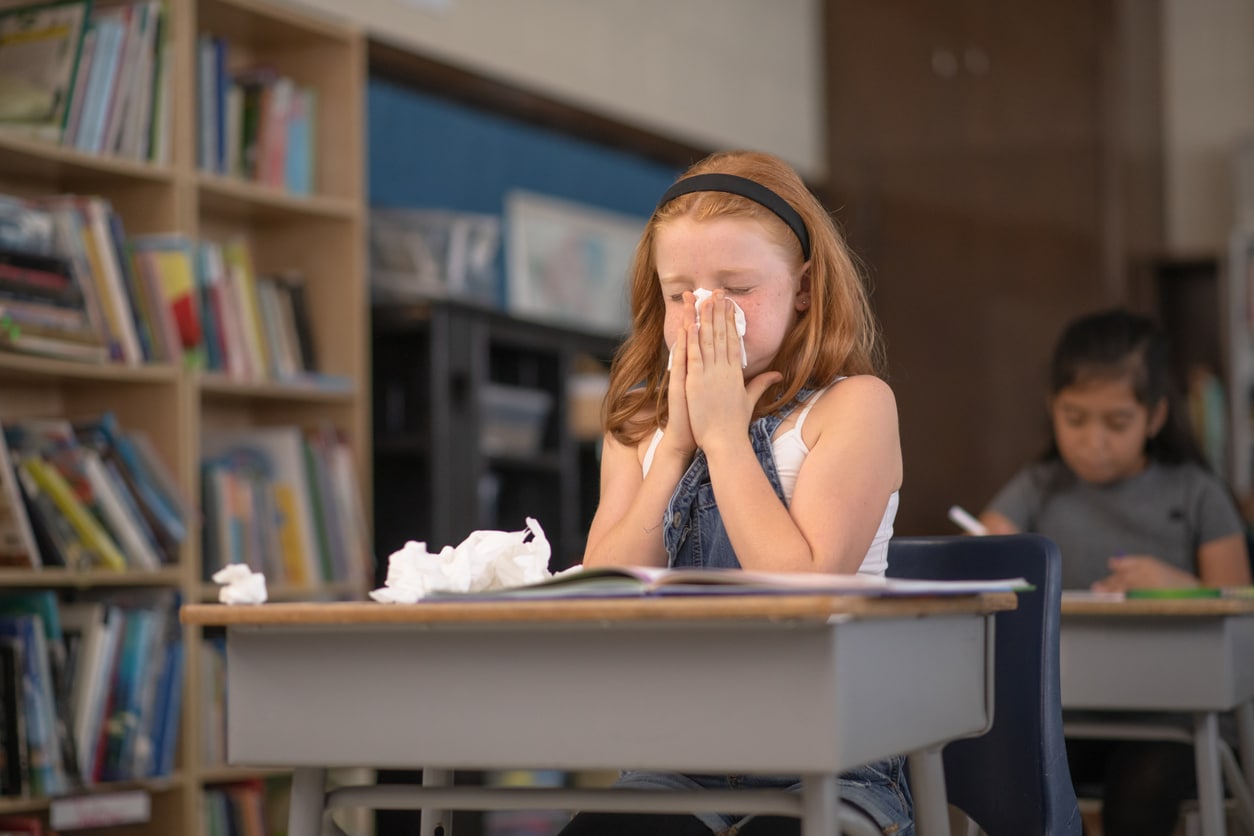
(694, 536)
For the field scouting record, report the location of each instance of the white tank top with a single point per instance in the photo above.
(790, 451)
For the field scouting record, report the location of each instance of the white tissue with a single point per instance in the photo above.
(242, 585)
(484, 560)
(702, 294)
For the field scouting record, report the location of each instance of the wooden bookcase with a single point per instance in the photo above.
(320, 235)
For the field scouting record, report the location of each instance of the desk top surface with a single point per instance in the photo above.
(1218, 607)
(598, 610)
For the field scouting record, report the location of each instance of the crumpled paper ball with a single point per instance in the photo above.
(242, 585)
(485, 560)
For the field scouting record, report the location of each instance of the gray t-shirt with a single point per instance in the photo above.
(1166, 511)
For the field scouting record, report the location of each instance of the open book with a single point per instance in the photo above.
(628, 581)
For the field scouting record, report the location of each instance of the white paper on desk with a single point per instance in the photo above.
(483, 561)
(241, 585)
(702, 294)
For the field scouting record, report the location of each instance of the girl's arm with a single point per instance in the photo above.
(843, 487)
(627, 527)
(1224, 562)
(1221, 562)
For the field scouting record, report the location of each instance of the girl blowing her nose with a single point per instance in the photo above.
(784, 459)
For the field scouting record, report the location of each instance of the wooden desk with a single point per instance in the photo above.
(1189, 655)
(789, 684)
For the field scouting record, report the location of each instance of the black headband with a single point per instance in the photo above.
(744, 187)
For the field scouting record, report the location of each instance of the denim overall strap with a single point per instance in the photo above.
(693, 530)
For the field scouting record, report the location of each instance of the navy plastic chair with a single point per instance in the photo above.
(1013, 780)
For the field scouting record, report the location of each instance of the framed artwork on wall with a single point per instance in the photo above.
(567, 262)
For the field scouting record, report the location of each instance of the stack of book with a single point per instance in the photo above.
(254, 123)
(284, 501)
(90, 690)
(86, 495)
(74, 285)
(97, 80)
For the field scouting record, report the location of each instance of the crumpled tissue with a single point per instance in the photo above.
(242, 585)
(702, 294)
(484, 560)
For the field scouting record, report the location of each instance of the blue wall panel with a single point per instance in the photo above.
(428, 152)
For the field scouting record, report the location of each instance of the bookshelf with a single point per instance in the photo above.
(319, 235)
(447, 456)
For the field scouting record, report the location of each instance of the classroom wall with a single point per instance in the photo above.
(714, 73)
(721, 73)
(1208, 106)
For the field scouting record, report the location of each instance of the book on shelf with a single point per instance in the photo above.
(40, 45)
(107, 484)
(254, 123)
(147, 488)
(125, 652)
(92, 631)
(284, 501)
(109, 33)
(73, 241)
(14, 750)
(632, 581)
(48, 303)
(101, 810)
(278, 455)
(18, 547)
(119, 101)
(87, 528)
(237, 809)
(24, 227)
(56, 539)
(46, 771)
(44, 606)
(87, 232)
(166, 262)
(48, 453)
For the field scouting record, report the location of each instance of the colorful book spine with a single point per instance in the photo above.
(85, 525)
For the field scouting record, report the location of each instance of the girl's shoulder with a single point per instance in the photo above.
(860, 402)
(861, 390)
(1190, 475)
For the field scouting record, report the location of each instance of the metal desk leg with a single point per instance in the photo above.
(1245, 740)
(927, 786)
(820, 805)
(309, 787)
(1210, 787)
(435, 822)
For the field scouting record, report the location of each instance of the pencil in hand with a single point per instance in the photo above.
(963, 519)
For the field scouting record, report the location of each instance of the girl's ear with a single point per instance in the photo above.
(803, 288)
(1157, 417)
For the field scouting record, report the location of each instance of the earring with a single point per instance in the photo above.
(804, 301)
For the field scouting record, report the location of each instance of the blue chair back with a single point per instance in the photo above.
(1014, 780)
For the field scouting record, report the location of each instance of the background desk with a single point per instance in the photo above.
(1191, 655)
(801, 685)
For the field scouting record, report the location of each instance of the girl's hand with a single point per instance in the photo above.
(677, 437)
(1140, 571)
(720, 402)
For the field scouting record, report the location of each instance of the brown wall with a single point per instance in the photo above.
(984, 156)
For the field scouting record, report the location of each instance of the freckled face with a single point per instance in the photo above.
(739, 256)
